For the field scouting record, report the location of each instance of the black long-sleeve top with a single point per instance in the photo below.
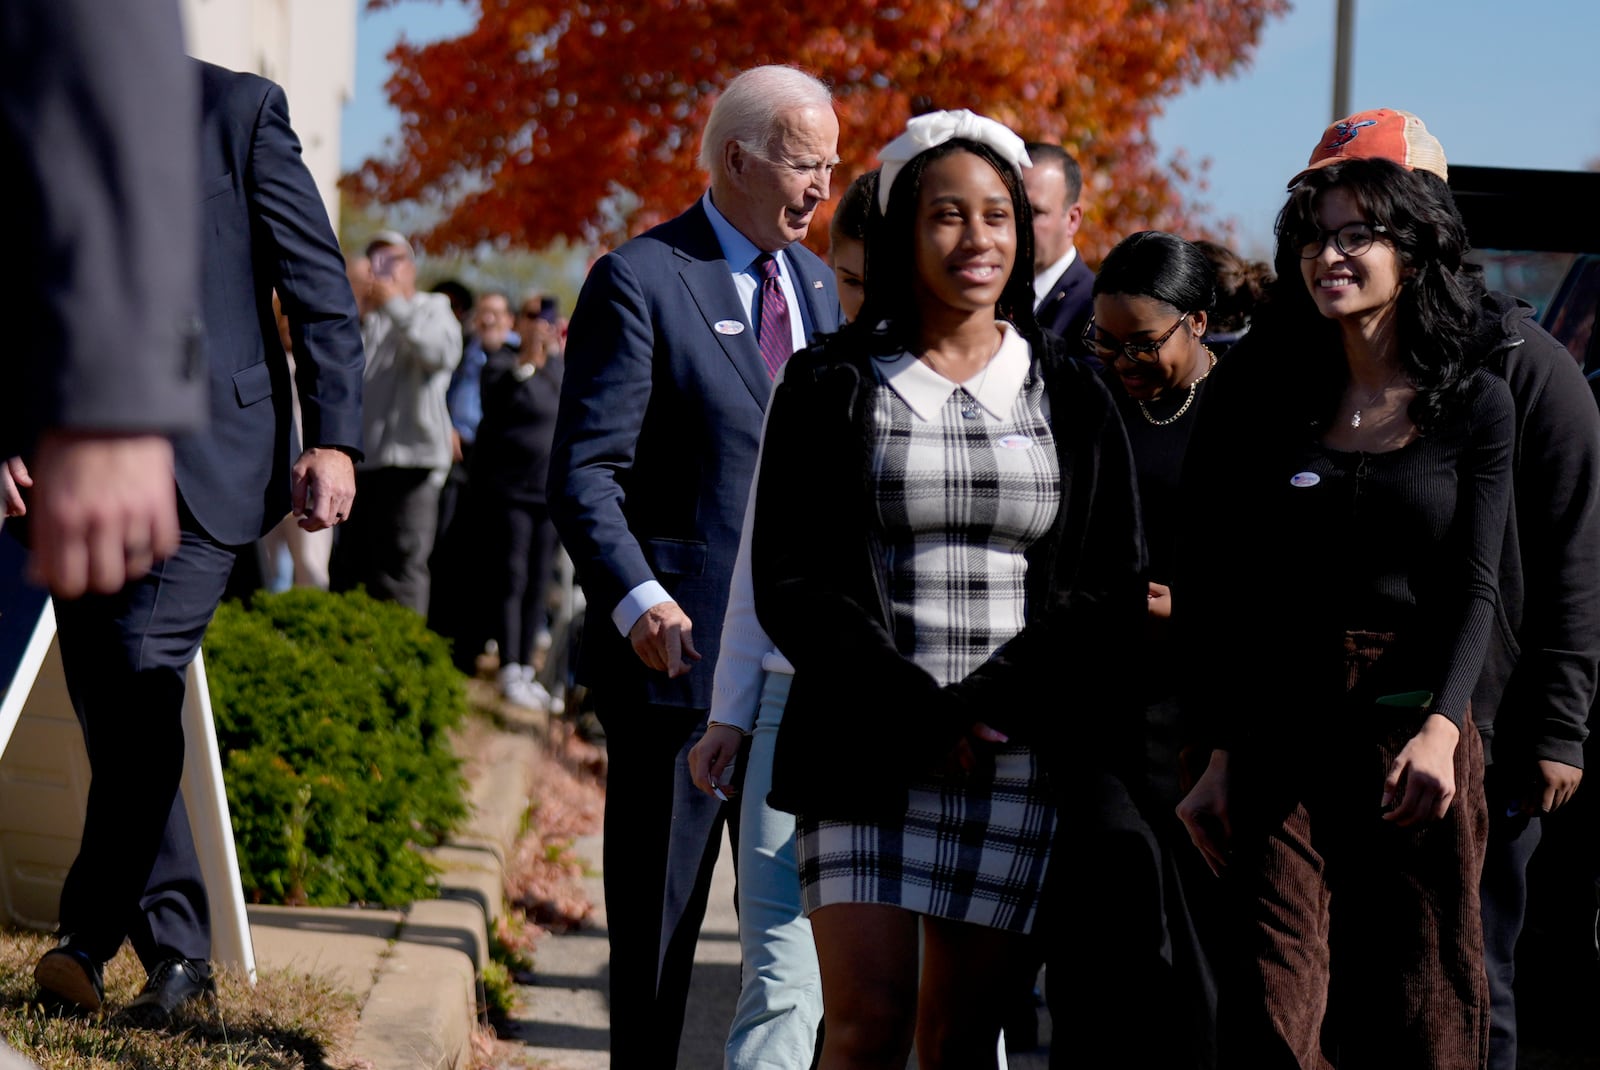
(1305, 543)
(511, 457)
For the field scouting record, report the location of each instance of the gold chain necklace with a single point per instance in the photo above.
(1194, 388)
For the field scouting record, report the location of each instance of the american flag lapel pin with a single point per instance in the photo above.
(816, 284)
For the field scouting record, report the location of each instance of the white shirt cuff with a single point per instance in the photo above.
(636, 602)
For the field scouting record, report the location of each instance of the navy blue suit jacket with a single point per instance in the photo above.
(97, 175)
(657, 437)
(264, 227)
(1069, 304)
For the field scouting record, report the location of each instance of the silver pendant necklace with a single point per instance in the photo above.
(1355, 417)
(969, 404)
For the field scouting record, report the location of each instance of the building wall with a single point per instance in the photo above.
(306, 46)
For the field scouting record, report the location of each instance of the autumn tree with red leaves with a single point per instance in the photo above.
(550, 117)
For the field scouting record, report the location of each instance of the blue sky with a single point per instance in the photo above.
(1500, 84)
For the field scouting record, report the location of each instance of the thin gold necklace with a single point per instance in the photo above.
(1194, 388)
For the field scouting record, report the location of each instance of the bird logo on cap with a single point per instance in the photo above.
(1345, 132)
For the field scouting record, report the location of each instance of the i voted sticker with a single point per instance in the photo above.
(728, 326)
(1015, 442)
(1304, 479)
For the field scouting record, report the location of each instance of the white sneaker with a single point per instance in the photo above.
(518, 690)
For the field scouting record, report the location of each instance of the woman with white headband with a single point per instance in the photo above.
(945, 533)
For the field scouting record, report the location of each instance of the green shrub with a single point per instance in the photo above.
(332, 712)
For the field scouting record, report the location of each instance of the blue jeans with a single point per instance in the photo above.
(780, 998)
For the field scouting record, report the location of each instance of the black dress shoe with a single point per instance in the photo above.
(68, 974)
(172, 983)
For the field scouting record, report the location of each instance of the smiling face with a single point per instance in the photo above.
(966, 235)
(770, 193)
(848, 258)
(1136, 318)
(1351, 289)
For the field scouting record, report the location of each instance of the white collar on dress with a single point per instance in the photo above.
(925, 391)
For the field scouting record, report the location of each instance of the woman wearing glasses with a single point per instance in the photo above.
(1354, 466)
(1152, 297)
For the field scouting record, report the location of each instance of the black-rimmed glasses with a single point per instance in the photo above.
(1109, 349)
(1352, 239)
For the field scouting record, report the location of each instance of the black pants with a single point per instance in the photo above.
(125, 657)
(662, 837)
(384, 545)
(1503, 897)
(524, 547)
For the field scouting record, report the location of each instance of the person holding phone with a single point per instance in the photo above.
(1357, 461)
(945, 529)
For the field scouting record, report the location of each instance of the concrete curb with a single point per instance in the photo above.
(423, 1005)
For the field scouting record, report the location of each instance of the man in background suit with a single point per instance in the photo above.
(670, 358)
(1063, 286)
(97, 173)
(126, 654)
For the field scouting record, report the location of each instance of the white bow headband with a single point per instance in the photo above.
(926, 131)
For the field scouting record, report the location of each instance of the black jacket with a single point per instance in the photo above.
(1540, 671)
(511, 454)
(862, 719)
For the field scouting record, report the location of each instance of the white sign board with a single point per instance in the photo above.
(44, 785)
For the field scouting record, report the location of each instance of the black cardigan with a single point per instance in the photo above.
(862, 719)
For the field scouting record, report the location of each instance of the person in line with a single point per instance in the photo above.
(670, 357)
(510, 470)
(945, 526)
(1358, 461)
(780, 993)
(1062, 282)
(1242, 285)
(413, 342)
(125, 655)
(1539, 681)
(1152, 301)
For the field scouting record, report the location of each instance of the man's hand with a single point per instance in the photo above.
(1550, 787)
(661, 638)
(322, 487)
(709, 757)
(14, 479)
(456, 455)
(105, 508)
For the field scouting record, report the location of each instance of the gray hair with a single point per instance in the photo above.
(748, 110)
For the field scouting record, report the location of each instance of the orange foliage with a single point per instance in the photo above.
(527, 128)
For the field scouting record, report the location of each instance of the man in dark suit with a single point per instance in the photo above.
(125, 655)
(1062, 284)
(97, 173)
(670, 358)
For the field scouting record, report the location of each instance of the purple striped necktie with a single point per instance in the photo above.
(777, 343)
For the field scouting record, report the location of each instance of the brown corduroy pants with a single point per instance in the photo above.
(1359, 942)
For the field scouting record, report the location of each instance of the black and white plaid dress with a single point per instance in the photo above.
(964, 485)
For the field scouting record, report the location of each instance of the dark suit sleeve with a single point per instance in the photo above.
(98, 161)
(610, 362)
(294, 241)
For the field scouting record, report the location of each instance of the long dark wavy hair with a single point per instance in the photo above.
(1437, 311)
(891, 296)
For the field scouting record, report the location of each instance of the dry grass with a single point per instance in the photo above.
(286, 1022)
(543, 878)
